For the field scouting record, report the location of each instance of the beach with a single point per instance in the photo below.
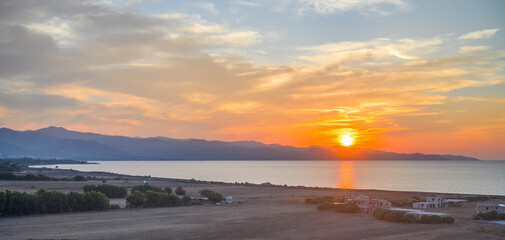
(257, 212)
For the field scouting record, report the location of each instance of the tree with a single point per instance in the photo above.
(211, 195)
(179, 191)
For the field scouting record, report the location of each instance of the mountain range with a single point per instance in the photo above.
(60, 143)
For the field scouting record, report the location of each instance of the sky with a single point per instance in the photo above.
(396, 75)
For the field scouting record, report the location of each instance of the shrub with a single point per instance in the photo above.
(52, 201)
(77, 201)
(346, 208)
(152, 199)
(185, 200)
(319, 200)
(96, 201)
(325, 206)
(110, 191)
(167, 190)
(146, 187)
(448, 219)
(396, 216)
(179, 191)
(490, 216)
(136, 199)
(211, 195)
(79, 178)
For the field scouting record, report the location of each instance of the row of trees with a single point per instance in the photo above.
(396, 216)
(44, 201)
(9, 167)
(155, 199)
(111, 191)
(39, 177)
(153, 196)
(146, 187)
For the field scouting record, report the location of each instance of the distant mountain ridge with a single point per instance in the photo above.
(57, 142)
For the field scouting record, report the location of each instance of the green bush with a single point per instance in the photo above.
(110, 191)
(346, 208)
(146, 187)
(43, 201)
(186, 200)
(52, 201)
(77, 201)
(179, 191)
(448, 219)
(396, 216)
(136, 199)
(152, 199)
(212, 196)
(79, 178)
(96, 201)
(319, 200)
(490, 216)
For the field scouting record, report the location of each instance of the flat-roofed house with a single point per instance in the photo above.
(368, 205)
(489, 207)
(439, 202)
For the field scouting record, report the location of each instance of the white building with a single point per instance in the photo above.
(368, 205)
(489, 207)
(439, 202)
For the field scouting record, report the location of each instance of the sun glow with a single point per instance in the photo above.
(346, 140)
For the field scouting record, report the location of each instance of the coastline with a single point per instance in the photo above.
(61, 173)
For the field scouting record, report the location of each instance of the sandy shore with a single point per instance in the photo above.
(264, 212)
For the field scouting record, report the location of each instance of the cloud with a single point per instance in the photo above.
(98, 68)
(383, 7)
(480, 34)
(472, 49)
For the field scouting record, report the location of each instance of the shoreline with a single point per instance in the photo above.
(103, 173)
(71, 172)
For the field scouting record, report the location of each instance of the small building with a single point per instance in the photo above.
(489, 207)
(439, 202)
(366, 204)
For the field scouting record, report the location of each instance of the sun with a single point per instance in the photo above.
(346, 140)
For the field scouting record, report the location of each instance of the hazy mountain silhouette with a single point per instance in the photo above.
(56, 142)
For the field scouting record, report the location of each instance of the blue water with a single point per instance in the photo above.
(474, 177)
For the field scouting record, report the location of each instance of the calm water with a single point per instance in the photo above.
(480, 177)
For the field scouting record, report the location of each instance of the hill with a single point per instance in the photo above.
(57, 142)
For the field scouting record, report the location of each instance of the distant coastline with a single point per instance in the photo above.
(60, 143)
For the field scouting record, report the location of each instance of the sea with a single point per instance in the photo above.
(465, 177)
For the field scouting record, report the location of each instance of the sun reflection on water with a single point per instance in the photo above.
(346, 175)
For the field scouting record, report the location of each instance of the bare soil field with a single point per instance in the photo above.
(257, 212)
